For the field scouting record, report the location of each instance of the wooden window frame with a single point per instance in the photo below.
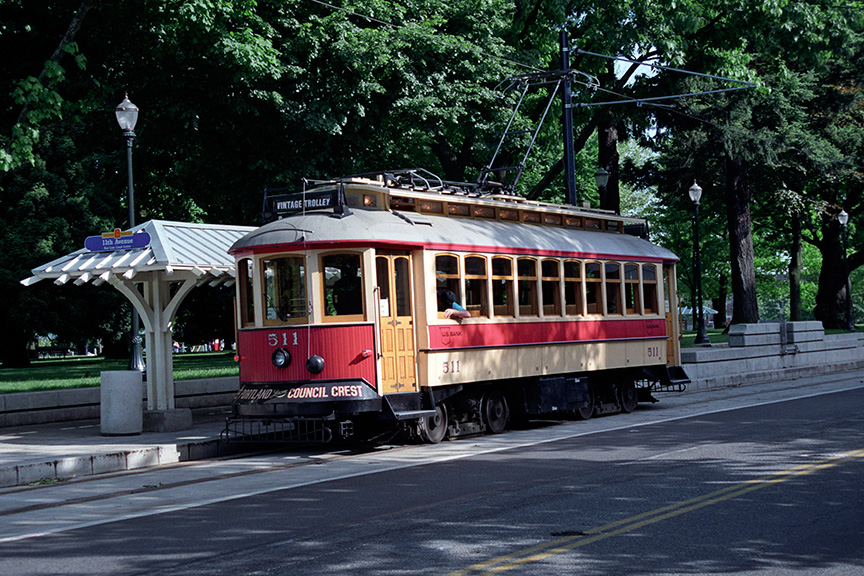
(532, 309)
(246, 291)
(576, 283)
(632, 286)
(613, 287)
(322, 281)
(551, 285)
(305, 284)
(452, 282)
(482, 282)
(594, 284)
(507, 310)
(650, 285)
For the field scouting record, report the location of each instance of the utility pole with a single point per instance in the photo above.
(569, 155)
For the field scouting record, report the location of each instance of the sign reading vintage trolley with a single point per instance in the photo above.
(283, 205)
(117, 240)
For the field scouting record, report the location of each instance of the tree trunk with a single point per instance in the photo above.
(558, 167)
(454, 163)
(13, 347)
(832, 292)
(795, 270)
(607, 154)
(59, 52)
(745, 308)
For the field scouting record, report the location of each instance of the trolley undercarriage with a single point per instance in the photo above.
(451, 411)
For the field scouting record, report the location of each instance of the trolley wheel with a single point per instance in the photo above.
(433, 429)
(587, 411)
(495, 412)
(627, 396)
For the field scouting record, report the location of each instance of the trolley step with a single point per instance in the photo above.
(667, 378)
(413, 414)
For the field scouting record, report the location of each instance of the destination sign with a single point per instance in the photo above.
(286, 204)
(334, 390)
(117, 240)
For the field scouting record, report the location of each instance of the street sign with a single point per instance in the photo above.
(117, 240)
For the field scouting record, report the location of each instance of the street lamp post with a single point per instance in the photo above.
(127, 117)
(695, 192)
(843, 218)
(601, 177)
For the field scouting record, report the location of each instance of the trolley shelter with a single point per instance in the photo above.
(155, 265)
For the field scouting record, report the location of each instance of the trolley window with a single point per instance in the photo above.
(593, 283)
(284, 290)
(502, 286)
(245, 295)
(572, 288)
(401, 286)
(343, 285)
(550, 271)
(382, 272)
(631, 289)
(476, 299)
(613, 288)
(527, 271)
(649, 288)
(447, 280)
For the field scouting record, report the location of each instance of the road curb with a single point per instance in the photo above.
(60, 469)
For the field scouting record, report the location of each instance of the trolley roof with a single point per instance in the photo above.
(413, 209)
(397, 230)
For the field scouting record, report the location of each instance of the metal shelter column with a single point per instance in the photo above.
(157, 308)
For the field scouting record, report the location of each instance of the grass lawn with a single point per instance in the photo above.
(716, 336)
(83, 372)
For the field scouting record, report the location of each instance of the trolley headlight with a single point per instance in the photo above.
(281, 358)
(315, 364)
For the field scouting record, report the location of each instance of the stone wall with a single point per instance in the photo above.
(26, 408)
(772, 351)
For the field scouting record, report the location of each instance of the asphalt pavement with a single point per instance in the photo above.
(53, 452)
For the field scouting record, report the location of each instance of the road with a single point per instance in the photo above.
(754, 480)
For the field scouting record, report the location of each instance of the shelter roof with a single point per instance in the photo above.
(173, 247)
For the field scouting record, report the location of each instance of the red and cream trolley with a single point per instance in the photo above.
(341, 322)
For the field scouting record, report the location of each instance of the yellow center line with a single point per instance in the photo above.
(544, 550)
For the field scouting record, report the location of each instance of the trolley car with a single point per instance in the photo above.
(346, 299)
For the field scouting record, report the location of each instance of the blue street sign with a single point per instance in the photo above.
(117, 240)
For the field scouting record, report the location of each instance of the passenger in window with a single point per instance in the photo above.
(347, 295)
(452, 309)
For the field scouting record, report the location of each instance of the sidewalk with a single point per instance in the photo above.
(53, 452)
(45, 453)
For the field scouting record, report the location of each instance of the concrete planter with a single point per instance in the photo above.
(121, 409)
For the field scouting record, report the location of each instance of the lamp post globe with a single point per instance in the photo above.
(695, 193)
(601, 177)
(127, 117)
(127, 114)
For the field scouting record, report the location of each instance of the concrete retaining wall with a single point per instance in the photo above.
(762, 353)
(22, 409)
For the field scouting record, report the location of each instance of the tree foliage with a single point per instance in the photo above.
(239, 95)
